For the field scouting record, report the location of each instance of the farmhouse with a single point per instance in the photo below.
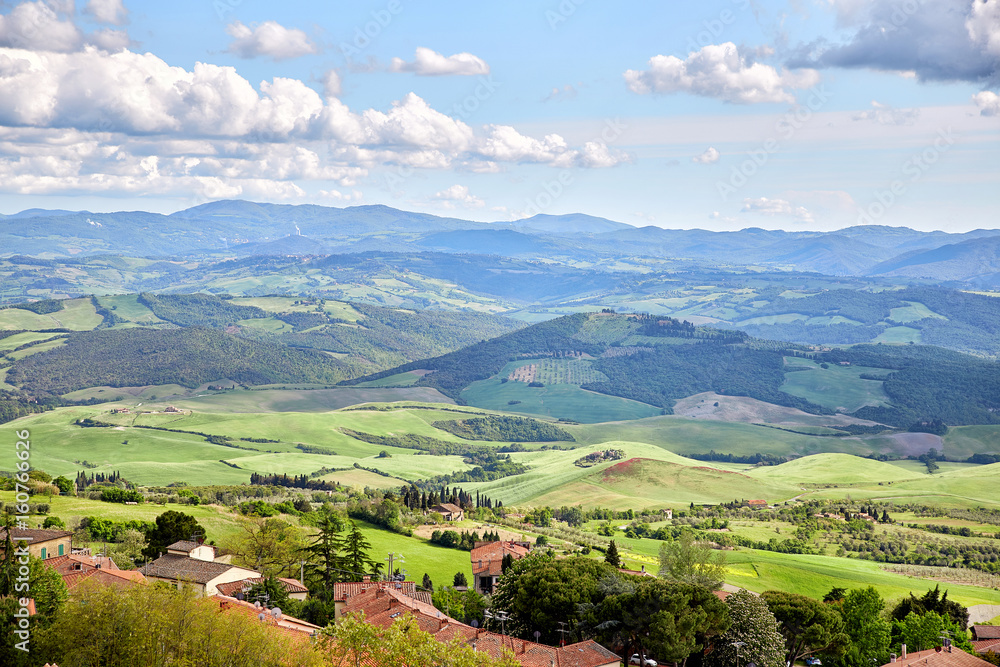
(449, 511)
(194, 564)
(171, 408)
(119, 411)
(41, 543)
(757, 504)
(487, 562)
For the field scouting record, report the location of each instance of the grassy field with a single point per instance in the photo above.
(10, 342)
(127, 307)
(407, 379)
(662, 479)
(565, 401)
(641, 483)
(899, 336)
(912, 312)
(832, 469)
(419, 556)
(219, 523)
(814, 576)
(35, 349)
(837, 387)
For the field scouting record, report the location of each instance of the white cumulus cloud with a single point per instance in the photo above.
(37, 26)
(988, 103)
(270, 39)
(428, 62)
(710, 156)
(107, 11)
(459, 194)
(883, 114)
(719, 71)
(765, 206)
(983, 25)
(332, 84)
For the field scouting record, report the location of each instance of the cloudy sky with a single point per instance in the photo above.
(720, 114)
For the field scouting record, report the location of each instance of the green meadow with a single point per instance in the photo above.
(814, 576)
(838, 387)
(565, 401)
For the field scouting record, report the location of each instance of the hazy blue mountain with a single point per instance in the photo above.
(239, 228)
(976, 260)
(505, 242)
(572, 223)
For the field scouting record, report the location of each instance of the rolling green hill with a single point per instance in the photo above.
(49, 348)
(595, 354)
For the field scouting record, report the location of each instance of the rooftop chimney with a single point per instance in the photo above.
(903, 647)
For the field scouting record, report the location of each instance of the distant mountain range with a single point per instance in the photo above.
(235, 228)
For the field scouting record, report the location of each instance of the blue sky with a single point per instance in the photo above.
(811, 114)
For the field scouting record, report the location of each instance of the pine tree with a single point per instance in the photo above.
(427, 584)
(611, 557)
(356, 547)
(324, 552)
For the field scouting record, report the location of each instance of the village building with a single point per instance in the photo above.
(75, 569)
(986, 638)
(194, 564)
(381, 606)
(937, 657)
(41, 543)
(344, 592)
(487, 562)
(449, 511)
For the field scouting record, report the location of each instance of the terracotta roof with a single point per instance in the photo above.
(382, 607)
(77, 562)
(756, 502)
(984, 645)
(233, 587)
(447, 507)
(348, 589)
(36, 534)
(986, 631)
(177, 567)
(104, 577)
(424, 596)
(939, 658)
(488, 559)
(289, 624)
(187, 546)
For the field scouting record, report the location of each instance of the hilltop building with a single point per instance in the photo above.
(487, 562)
(195, 564)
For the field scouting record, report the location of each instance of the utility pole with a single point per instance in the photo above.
(562, 633)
